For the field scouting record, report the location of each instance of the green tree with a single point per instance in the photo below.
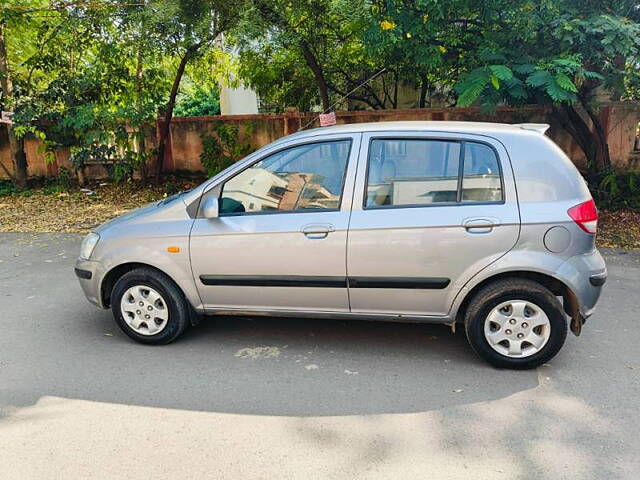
(16, 28)
(307, 53)
(90, 83)
(93, 76)
(188, 29)
(199, 102)
(571, 55)
(425, 42)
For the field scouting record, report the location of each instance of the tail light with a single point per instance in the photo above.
(585, 215)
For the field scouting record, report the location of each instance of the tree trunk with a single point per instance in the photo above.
(166, 126)
(395, 89)
(144, 176)
(16, 146)
(140, 134)
(313, 64)
(593, 144)
(603, 157)
(424, 86)
(19, 158)
(272, 16)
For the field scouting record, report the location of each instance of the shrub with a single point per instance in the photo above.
(7, 188)
(223, 149)
(614, 189)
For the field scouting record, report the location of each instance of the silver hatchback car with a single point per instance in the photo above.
(488, 226)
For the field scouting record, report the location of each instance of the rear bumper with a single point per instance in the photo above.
(585, 274)
(90, 275)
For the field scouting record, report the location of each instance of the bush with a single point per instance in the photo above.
(7, 188)
(59, 184)
(614, 189)
(199, 103)
(223, 149)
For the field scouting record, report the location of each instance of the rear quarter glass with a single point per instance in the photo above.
(547, 181)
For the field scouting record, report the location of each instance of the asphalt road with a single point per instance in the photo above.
(292, 398)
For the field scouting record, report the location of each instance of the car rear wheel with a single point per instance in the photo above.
(515, 323)
(149, 307)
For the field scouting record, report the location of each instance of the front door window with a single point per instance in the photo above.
(303, 178)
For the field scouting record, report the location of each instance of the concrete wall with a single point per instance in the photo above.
(185, 143)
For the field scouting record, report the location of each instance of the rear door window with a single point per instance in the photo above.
(417, 172)
(481, 181)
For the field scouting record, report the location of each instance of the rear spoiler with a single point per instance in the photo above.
(534, 127)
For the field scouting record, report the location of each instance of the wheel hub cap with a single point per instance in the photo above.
(144, 310)
(517, 328)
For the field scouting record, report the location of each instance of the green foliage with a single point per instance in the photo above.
(494, 84)
(199, 103)
(83, 70)
(280, 77)
(59, 184)
(278, 38)
(95, 153)
(221, 150)
(559, 52)
(617, 190)
(7, 188)
(87, 77)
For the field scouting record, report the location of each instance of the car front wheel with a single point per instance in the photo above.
(149, 307)
(515, 323)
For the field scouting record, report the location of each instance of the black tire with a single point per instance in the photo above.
(492, 295)
(178, 306)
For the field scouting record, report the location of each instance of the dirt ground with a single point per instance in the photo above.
(40, 210)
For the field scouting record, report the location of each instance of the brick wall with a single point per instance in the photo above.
(185, 145)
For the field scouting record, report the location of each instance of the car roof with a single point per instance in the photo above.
(485, 128)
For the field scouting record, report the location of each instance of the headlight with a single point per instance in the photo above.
(88, 244)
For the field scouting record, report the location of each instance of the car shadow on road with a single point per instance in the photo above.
(290, 366)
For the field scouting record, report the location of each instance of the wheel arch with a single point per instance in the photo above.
(113, 275)
(556, 286)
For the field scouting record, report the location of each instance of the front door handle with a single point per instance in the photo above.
(317, 230)
(480, 225)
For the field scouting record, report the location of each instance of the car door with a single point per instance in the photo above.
(430, 210)
(280, 240)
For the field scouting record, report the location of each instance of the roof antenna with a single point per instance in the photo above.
(344, 96)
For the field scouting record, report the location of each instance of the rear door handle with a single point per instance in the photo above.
(317, 230)
(480, 225)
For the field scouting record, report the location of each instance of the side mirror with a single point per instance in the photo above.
(211, 208)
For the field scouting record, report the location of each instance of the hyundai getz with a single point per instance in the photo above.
(486, 226)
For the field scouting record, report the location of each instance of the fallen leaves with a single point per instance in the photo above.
(619, 229)
(74, 211)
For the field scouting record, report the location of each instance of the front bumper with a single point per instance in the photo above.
(90, 274)
(585, 274)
